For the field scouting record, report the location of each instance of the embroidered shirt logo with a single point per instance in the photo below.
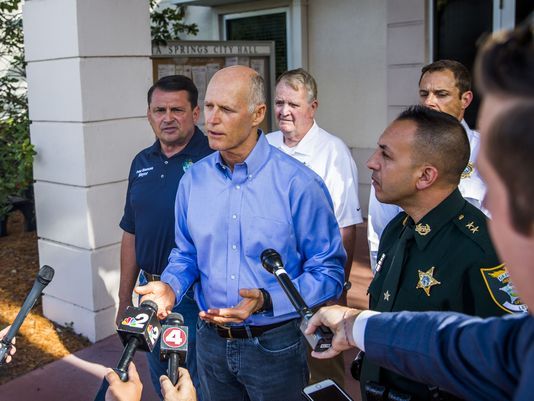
(187, 164)
(144, 171)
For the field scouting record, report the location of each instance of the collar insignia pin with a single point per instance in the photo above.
(471, 226)
(422, 229)
(468, 170)
(427, 280)
(386, 296)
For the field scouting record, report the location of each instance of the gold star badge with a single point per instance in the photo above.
(426, 280)
(422, 229)
(386, 296)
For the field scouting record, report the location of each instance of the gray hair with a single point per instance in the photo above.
(257, 92)
(300, 77)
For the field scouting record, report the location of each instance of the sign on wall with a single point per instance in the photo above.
(199, 60)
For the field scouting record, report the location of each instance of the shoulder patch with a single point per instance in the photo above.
(501, 289)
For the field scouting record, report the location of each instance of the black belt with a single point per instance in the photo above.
(242, 332)
(150, 277)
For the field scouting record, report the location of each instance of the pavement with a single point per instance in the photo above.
(77, 377)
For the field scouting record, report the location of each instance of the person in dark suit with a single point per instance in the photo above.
(470, 357)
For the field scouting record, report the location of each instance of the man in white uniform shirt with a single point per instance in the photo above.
(444, 85)
(295, 105)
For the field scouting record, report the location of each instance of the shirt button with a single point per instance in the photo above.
(162, 175)
(234, 216)
(238, 187)
(234, 247)
(232, 277)
(166, 162)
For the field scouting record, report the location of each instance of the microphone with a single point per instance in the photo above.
(138, 330)
(321, 339)
(45, 276)
(174, 344)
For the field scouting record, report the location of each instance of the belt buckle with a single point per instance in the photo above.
(228, 330)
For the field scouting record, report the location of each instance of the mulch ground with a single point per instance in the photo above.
(39, 341)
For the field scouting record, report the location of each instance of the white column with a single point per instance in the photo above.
(406, 52)
(88, 72)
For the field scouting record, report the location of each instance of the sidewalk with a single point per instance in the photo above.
(77, 377)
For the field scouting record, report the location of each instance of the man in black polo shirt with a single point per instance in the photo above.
(148, 220)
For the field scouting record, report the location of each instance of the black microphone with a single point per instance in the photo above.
(321, 339)
(138, 330)
(45, 276)
(174, 344)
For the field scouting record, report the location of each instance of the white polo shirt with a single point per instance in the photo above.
(330, 158)
(471, 186)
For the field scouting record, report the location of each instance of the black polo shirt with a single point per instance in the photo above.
(149, 208)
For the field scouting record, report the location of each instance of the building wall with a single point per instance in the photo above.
(347, 56)
(344, 46)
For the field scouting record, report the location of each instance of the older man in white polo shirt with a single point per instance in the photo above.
(295, 105)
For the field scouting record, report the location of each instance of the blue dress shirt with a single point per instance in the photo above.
(225, 219)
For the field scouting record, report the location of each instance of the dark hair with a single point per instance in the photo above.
(460, 72)
(175, 83)
(440, 140)
(510, 150)
(505, 63)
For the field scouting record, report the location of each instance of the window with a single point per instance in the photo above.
(271, 25)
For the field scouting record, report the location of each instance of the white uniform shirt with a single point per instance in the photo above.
(471, 186)
(330, 158)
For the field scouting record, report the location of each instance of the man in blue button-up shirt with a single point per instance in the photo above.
(231, 206)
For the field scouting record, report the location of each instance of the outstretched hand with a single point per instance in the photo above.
(251, 302)
(340, 320)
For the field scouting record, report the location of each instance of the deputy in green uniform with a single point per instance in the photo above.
(437, 255)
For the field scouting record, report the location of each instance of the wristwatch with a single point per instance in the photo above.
(347, 285)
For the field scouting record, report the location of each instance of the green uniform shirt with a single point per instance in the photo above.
(449, 265)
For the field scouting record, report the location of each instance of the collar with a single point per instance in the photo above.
(432, 222)
(190, 148)
(306, 144)
(259, 155)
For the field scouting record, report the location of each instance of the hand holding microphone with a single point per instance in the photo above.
(12, 348)
(321, 339)
(44, 277)
(174, 344)
(139, 329)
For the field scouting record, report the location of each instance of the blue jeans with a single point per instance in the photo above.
(189, 310)
(270, 367)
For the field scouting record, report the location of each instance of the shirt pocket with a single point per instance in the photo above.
(263, 233)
